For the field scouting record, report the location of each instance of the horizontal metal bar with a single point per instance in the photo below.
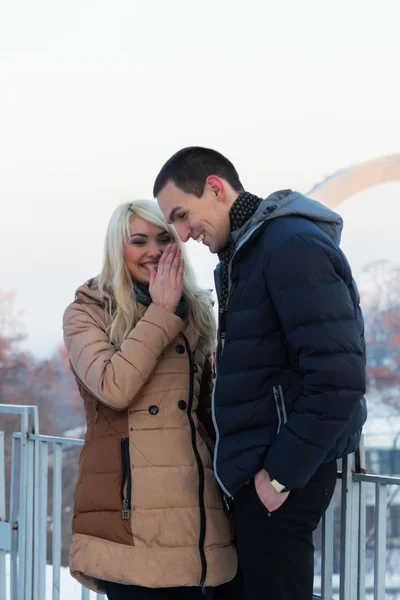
(382, 479)
(50, 439)
(367, 478)
(18, 409)
(57, 440)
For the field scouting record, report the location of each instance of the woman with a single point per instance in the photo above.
(148, 517)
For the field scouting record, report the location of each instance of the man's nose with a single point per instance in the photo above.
(183, 231)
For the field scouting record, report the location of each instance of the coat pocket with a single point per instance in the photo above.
(280, 406)
(126, 482)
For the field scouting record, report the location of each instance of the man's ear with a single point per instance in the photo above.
(216, 185)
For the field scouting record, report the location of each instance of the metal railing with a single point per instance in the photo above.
(353, 538)
(24, 535)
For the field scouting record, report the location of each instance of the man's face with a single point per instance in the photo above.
(205, 219)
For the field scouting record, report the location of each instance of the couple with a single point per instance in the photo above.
(151, 518)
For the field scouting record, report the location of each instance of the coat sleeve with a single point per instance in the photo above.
(323, 327)
(115, 375)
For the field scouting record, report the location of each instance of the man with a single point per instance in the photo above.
(289, 393)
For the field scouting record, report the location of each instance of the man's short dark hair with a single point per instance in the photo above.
(189, 168)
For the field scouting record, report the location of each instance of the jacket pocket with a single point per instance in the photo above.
(280, 406)
(126, 483)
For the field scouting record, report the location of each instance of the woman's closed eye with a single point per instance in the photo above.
(167, 239)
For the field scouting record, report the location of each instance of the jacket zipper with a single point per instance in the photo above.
(280, 406)
(126, 483)
(200, 468)
(220, 351)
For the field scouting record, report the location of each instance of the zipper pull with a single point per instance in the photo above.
(276, 393)
(125, 510)
(203, 588)
(226, 502)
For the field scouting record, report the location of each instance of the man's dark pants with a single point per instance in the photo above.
(276, 551)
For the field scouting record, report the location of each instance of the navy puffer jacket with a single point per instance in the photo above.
(289, 393)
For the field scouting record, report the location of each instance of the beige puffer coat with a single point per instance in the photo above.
(148, 510)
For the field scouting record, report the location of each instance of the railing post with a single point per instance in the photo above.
(22, 505)
(22, 501)
(349, 533)
(36, 524)
(362, 521)
(56, 516)
(327, 551)
(30, 478)
(2, 519)
(14, 487)
(380, 541)
(354, 539)
(41, 524)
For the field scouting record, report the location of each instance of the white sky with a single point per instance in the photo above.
(95, 96)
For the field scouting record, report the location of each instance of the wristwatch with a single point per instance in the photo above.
(279, 487)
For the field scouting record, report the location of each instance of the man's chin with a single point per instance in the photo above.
(217, 248)
(211, 247)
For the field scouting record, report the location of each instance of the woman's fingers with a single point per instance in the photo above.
(152, 276)
(170, 267)
(161, 262)
(169, 261)
(175, 264)
(181, 270)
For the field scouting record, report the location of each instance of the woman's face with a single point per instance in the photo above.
(144, 248)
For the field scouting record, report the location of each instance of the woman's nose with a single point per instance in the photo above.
(155, 251)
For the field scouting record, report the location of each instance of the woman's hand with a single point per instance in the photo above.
(166, 284)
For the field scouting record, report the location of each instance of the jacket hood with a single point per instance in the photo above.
(287, 203)
(88, 293)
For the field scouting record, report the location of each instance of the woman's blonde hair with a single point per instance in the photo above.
(115, 282)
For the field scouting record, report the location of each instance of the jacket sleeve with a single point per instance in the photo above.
(321, 322)
(115, 375)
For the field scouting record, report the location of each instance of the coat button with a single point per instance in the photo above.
(180, 349)
(153, 410)
(182, 404)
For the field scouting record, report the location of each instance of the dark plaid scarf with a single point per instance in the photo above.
(142, 295)
(242, 210)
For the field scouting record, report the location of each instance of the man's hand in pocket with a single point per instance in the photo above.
(267, 493)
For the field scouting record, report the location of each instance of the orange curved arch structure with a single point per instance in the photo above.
(343, 184)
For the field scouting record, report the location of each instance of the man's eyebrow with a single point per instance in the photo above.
(172, 214)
